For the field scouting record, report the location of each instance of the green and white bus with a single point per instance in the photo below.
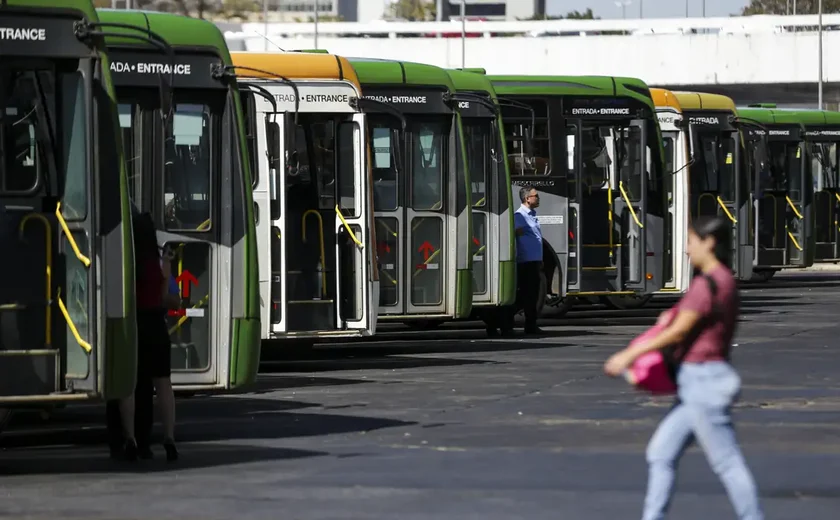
(593, 149)
(67, 326)
(421, 190)
(188, 166)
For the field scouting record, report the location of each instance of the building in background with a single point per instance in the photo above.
(491, 9)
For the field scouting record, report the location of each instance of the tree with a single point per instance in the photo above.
(414, 10)
(572, 15)
(240, 9)
(786, 7)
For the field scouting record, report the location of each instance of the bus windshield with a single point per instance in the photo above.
(38, 156)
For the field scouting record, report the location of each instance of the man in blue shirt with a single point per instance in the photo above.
(529, 262)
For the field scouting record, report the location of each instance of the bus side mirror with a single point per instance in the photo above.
(290, 130)
(692, 154)
(272, 137)
(396, 150)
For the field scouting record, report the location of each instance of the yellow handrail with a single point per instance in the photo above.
(183, 319)
(726, 210)
(837, 195)
(426, 262)
(82, 258)
(321, 237)
(82, 343)
(793, 207)
(347, 227)
(48, 235)
(795, 243)
(629, 205)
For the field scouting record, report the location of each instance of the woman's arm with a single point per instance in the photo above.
(675, 333)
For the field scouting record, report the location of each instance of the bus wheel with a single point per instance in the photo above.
(626, 302)
(763, 275)
(5, 418)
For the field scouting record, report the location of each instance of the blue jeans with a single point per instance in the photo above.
(706, 391)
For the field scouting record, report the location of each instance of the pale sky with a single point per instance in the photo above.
(652, 8)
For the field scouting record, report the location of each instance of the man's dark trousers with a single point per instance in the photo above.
(528, 278)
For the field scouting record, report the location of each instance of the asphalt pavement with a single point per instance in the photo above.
(452, 425)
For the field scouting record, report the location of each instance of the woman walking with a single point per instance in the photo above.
(701, 333)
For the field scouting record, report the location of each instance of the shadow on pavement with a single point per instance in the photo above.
(203, 419)
(62, 460)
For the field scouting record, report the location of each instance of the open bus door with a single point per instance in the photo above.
(823, 154)
(320, 275)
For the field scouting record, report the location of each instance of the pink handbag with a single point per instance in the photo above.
(652, 371)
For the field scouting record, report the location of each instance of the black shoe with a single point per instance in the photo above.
(533, 331)
(171, 450)
(506, 333)
(130, 451)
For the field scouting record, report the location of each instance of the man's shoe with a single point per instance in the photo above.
(533, 331)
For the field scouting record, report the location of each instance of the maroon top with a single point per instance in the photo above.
(719, 314)
(149, 285)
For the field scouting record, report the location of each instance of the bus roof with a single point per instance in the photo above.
(573, 86)
(177, 30)
(83, 6)
(665, 98)
(387, 72)
(775, 116)
(469, 81)
(811, 116)
(705, 101)
(296, 65)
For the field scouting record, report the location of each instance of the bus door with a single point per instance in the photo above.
(823, 163)
(480, 137)
(321, 276)
(411, 219)
(49, 324)
(718, 190)
(628, 194)
(351, 218)
(193, 161)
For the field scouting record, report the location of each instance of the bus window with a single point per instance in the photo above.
(727, 180)
(478, 134)
(22, 157)
(346, 167)
(322, 148)
(74, 146)
(427, 165)
(629, 155)
(385, 182)
(518, 121)
(595, 157)
(187, 170)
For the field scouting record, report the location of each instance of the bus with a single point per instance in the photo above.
(188, 167)
(719, 181)
(678, 144)
(593, 149)
(782, 192)
(494, 247)
(309, 149)
(67, 321)
(421, 191)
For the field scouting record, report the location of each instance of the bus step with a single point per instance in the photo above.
(29, 372)
(302, 315)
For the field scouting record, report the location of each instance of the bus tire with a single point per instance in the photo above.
(763, 275)
(626, 302)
